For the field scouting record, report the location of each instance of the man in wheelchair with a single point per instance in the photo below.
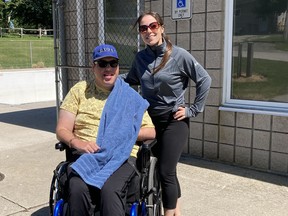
(104, 150)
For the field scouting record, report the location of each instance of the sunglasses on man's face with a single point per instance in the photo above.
(152, 26)
(104, 64)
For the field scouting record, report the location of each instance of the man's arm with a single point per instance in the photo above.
(64, 133)
(146, 133)
(147, 130)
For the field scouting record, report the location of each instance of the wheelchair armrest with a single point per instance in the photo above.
(60, 146)
(148, 144)
(145, 153)
(71, 153)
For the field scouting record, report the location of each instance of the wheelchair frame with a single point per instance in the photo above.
(150, 190)
(149, 203)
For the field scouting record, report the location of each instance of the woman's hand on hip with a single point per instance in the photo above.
(180, 114)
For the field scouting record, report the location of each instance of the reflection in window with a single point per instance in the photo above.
(260, 51)
(119, 29)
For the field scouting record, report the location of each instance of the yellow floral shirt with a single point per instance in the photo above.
(87, 101)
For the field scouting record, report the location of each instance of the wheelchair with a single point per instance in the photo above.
(144, 192)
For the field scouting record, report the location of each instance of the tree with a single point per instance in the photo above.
(286, 25)
(266, 8)
(6, 11)
(35, 14)
(27, 13)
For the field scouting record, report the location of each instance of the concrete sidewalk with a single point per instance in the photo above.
(28, 158)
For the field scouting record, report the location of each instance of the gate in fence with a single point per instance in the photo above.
(81, 25)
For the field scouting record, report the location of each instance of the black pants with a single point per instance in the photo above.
(172, 135)
(111, 199)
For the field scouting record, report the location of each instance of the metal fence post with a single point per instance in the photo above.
(30, 46)
(249, 59)
(239, 66)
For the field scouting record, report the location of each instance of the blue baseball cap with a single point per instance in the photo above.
(104, 50)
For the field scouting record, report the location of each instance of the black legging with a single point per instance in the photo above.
(172, 135)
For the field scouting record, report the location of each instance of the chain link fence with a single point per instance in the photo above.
(17, 54)
(81, 25)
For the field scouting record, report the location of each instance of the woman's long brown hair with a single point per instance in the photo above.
(168, 50)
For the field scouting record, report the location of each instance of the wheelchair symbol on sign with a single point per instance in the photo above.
(181, 3)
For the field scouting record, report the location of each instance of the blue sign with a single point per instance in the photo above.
(181, 3)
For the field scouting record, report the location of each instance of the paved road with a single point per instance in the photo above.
(27, 159)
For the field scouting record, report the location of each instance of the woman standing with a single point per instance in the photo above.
(163, 70)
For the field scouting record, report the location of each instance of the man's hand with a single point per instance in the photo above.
(84, 146)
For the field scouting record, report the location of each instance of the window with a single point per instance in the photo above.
(256, 55)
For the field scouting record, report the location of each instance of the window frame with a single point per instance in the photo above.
(229, 104)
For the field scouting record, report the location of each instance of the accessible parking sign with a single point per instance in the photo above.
(181, 9)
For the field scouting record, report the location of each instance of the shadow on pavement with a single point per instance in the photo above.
(41, 212)
(235, 170)
(41, 119)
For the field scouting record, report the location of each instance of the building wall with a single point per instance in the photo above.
(258, 141)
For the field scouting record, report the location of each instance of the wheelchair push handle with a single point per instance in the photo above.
(149, 143)
(145, 152)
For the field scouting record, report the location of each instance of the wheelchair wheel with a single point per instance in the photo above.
(52, 195)
(154, 199)
(57, 188)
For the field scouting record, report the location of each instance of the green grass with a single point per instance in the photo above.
(269, 79)
(26, 52)
(16, 52)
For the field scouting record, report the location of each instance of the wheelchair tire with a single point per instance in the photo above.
(52, 196)
(56, 188)
(154, 199)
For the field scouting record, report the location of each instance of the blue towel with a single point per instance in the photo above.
(118, 130)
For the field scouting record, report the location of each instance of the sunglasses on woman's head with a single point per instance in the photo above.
(104, 64)
(152, 26)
